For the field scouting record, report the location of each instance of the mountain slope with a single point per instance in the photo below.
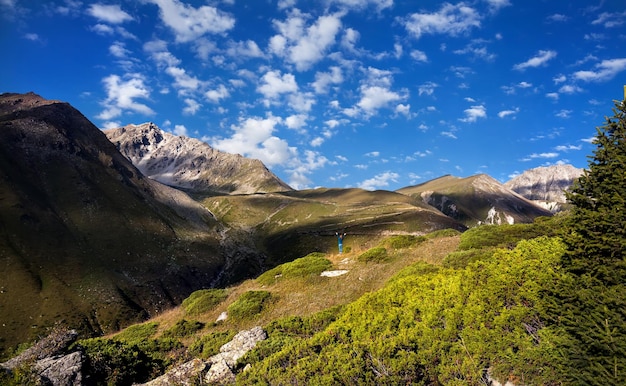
(545, 185)
(85, 238)
(476, 200)
(191, 164)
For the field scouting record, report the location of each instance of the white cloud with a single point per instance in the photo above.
(427, 88)
(610, 20)
(189, 23)
(540, 156)
(570, 89)
(497, 4)
(109, 13)
(31, 36)
(304, 46)
(296, 121)
(553, 95)
(506, 113)
(362, 4)
(254, 138)
(379, 181)
(567, 148)
(323, 80)
(248, 49)
(449, 20)
(559, 79)
(274, 83)
(118, 49)
(180, 130)
(122, 95)
(473, 113)
(605, 70)
(419, 56)
(300, 168)
(183, 81)
(192, 106)
(564, 113)
(217, 94)
(376, 97)
(538, 60)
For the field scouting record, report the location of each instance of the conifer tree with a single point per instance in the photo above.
(592, 304)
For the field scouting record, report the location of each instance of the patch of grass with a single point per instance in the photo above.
(202, 301)
(448, 232)
(376, 255)
(138, 332)
(309, 266)
(249, 304)
(183, 328)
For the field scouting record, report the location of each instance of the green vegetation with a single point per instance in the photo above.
(309, 266)
(137, 333)
(376, 255)
(403, 241)
(183, 328)
(209, 344)
(249, 304)
(590, 306)
(205, 300)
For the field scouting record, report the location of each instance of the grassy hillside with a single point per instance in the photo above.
(418, 312)
(292, 224)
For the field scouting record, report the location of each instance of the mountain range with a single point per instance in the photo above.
(99, 229)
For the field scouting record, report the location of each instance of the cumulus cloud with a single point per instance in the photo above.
(215, 95)
(449, 20)
(254, 137)
(323, 80)
(112, 14)
(273, 83)
(192, 106)
(473, 113)
(189, 23)
(427, 88)
(538, 60)
(379, 181)
(304, 46)
(603, 71)
(122, 95)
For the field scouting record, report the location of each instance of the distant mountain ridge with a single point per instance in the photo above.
(476, 200)
(191, 164)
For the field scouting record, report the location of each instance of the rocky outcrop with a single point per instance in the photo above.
(219, 369)
(48, 361)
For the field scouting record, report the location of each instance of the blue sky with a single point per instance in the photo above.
(378, 94)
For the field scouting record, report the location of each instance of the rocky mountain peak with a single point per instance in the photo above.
(545, 184)
(191, 164)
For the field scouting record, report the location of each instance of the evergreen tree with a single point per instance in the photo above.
(592, 299)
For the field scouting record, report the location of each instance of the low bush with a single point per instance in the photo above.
(249, 304)
(309, 266)
(205, 300)
(460, 259)
(183, 328)
(376, 254)
(403, 241)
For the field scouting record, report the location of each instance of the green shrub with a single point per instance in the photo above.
(113, 362)
(138, 332)
(183, 328)
(501, 236)
(209, 345)
(309, 266)
(249, 304)
(449, 232)
(205, 300)
(376, 254)
(460, 259)
(403, 241)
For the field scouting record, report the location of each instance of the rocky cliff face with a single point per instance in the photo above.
(191, 164)
(545, 185)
